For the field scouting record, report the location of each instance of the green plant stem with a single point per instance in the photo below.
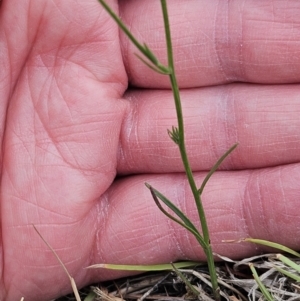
(122, 26)
(184, 157)
(181, 141)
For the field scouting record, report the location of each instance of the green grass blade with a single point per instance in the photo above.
(215, 167)
(288, 274)
(272, 245)
(263, 289)
(187, 283)
(288, 262)
(145, 268)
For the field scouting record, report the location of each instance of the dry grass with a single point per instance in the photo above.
(235, 280)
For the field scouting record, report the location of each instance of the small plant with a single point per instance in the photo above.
(177, 135)
(281, 264)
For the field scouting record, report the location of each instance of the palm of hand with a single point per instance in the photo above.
(61, 138)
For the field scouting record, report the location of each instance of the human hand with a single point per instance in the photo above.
(68, 130)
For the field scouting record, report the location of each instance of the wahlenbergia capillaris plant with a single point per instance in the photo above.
(177, 135)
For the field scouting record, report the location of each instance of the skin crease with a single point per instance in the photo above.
(70, 124)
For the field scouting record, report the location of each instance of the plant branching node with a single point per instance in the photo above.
(174, 134)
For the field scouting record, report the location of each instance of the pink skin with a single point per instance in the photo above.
(69, 125)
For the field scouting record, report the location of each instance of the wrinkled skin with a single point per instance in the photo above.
(70, 125)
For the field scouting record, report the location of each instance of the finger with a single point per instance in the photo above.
(257, 203)
(264, 120)
(215, 42)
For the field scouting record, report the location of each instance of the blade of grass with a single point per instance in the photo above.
(144, 268)
(288, 262)
(263, 289)
(187, 283)
(288, 274)
(272, 245)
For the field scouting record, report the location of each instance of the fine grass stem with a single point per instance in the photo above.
(145, 268)
(72, 281)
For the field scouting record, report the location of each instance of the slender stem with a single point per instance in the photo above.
(143, 48)
(181, 143)
(122, 26)
(182, 148)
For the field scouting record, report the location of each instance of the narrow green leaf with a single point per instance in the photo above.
(150, 55)
(184, 222)
(288, 262)
(184, 279)
(215, 167)
(145, 268)
(122, 26)
(143, 48)
(156, 194)
(263, 289)
(272, 245)
(288, 274)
